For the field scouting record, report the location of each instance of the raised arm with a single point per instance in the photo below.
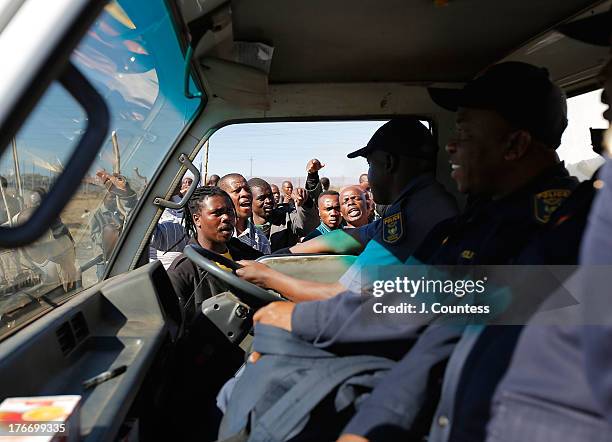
(313, 184)
(305, 217)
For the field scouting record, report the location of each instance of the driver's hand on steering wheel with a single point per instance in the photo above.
(277, 314)
(257, 273)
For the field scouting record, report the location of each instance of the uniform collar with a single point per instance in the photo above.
(535, 184)
(414, 185)
(508, 204)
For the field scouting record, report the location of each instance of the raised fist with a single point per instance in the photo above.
(314, 165)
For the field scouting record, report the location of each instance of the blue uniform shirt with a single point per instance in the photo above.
(496, 231)
(597, 250)
(551, 364)
(392, 239)
(482, 356)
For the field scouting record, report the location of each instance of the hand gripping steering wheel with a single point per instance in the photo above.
(251, 294)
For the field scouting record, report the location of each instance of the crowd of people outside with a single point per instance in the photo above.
(269, 217)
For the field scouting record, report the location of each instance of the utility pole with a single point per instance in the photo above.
(204, 164)
(251, 160)
(16, 165)
(116, 153)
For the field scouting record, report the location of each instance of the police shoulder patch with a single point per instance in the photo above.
(392, 228)
(545, 203)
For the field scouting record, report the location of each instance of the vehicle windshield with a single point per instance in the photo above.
(132, 57)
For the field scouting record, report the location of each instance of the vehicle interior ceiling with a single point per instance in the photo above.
(373, 59)
(331, 60)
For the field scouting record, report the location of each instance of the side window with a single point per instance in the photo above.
(133, 65)
(279, 152)
(279, 155)
(584, 112)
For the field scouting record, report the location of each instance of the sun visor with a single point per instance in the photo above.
(236, 83)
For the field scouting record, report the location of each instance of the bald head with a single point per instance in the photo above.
(240, 193)
(352, 189)
(226, 179)
(354, 206)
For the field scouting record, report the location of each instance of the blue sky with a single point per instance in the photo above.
(283, 149)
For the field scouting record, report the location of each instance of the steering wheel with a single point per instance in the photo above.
(253, 295)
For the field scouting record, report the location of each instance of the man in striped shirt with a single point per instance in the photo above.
(169, 237)
(240, 193)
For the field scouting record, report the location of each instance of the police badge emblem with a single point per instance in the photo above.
(545, 203)
(392, 228)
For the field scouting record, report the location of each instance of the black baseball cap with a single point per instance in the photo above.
(405, 136)
(595, 29)
(521, 93)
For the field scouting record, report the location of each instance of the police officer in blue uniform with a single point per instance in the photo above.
(597, 243)
(558, 386)
(402, 158)
(495, 229)
(482, 355)
(503, 156)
